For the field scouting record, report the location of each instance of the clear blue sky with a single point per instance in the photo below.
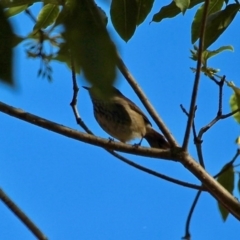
(73, 190)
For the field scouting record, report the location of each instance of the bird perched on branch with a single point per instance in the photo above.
(123, 119)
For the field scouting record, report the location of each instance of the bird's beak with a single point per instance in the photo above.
(86, 87)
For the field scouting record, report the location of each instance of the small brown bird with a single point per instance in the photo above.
(122, 119)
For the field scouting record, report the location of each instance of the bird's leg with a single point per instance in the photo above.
(138, 144)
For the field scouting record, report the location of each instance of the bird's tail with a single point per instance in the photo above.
(155, 139)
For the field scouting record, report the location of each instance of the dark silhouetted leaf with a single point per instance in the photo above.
(47, 16)
(182, 4)
(124, 15)
(144, 7)
(172, 10)
(87, 42)
(214, 6)
(218, 22)
(6, 42)
(226, 179)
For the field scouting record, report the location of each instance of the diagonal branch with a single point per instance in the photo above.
(87, 138)
(156, 174)
(22, 216)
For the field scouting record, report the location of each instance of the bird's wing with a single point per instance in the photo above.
(134, 107)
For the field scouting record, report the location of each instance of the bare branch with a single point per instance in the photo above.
(197, 141)
(157, 174)
(197, 77)
(187, 231)
(22, 216)
(215, 120)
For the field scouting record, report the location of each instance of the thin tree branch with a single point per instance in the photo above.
(143, 98)
(197, 77)
(197, 141)
(156, 174)
(215, 120)
(187, 227)
(22, 216)
(74, 100)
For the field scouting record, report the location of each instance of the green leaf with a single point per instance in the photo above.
(208, 54)
(17, 3)
(226, 179)
(47, 16)
(172, 10)
(182, 4)
(87, 43)
(208, 71)
(124, 17)
(235, 100)
(6, 53)
(144, 7)
(214, 6)
(218, 22)
(10, 12)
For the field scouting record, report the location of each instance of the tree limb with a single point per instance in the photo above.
(22, 216)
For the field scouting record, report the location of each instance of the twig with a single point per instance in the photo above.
(197, 141)
(215, 120)
(22, 216)
(193, 125)
(29, 13)
(197, 77)
(156, 174)
(143, 98)
(187, 227)
(74, 99)
(220, 84)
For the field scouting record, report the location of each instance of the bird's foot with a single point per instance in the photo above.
(136, 145)
(110, 139)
